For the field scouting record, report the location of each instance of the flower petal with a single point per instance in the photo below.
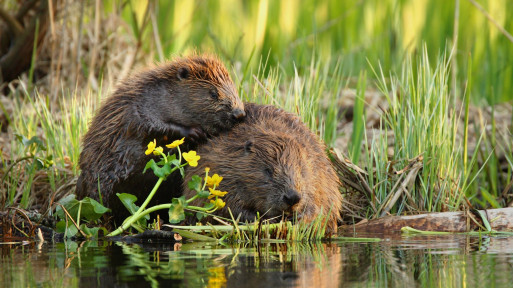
(176, 143)
(151, 147)
(191, 158)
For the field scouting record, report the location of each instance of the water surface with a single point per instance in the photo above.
(399, 261)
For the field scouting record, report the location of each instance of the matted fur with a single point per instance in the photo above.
(261, 159)
(190, 97)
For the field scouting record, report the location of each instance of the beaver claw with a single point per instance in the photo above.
(196, 135)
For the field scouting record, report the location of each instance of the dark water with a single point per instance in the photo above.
(418, 261)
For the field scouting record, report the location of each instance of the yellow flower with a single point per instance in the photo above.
(207, 169)
(214, 180)
(158, 150)
(175, 143)
(151, 147)
(218, 203)
(191, 158)
(214, 193)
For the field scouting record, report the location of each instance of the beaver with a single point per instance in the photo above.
(192, 97)
(271, 164)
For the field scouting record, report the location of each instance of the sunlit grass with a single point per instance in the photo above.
(300, 56)
(420, 116)
(59, 130)
(378, 31)
(424, 125)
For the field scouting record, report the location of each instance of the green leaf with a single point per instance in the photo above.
(163, 161)
(200, 215)
(37, 141)
(175, 162)
(176, 211)
(161, 172)
(90, 209)
(128, 201)
(92, 232)
(70, 231)
(33, 140)
(203, 194)
(485, 220)
(172, 159)
(209, 206)
(490, 199)
(149, 165)
(195, 183)
(40, 164)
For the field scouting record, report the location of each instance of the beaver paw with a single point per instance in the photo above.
(195, 135)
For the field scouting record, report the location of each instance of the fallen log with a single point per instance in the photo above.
(499, 219)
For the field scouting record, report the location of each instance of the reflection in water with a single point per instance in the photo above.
(404, 261)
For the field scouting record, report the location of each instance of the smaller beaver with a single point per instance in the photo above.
(191, 97)
(271, 164)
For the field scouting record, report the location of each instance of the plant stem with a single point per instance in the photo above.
(192, 199)
(139, 212)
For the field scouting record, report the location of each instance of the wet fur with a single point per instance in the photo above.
(270, 153)
(167, 102)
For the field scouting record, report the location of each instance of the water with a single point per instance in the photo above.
(400, 261)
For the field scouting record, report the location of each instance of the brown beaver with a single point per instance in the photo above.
(271, 164)
(191, 97)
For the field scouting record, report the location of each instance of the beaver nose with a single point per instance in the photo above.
(291, 198)
(238, 114)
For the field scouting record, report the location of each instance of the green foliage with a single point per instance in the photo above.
(424, 124)
(196, 184)
(178, 206)
(384, 32)
(300, 56)
(159, 170)
(128, 201)
(358, 120)
(32, 149)
(86, 209)
(176, 211)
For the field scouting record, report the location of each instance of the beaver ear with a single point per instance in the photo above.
(248, 146)
(183, 73)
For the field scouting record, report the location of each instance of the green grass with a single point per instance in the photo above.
(420, 115)
(300, 56)
(59, 131)
(359, 31)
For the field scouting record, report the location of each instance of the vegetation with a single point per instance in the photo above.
(429, 86)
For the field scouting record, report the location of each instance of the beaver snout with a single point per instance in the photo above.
(238, 114)
(291, 198)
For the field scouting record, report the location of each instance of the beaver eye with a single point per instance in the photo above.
(214, 94)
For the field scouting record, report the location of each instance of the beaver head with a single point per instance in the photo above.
(273, 165)
(269, 176)
(193, 92)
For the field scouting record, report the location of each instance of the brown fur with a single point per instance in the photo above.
(190, 97)
(269, 162)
